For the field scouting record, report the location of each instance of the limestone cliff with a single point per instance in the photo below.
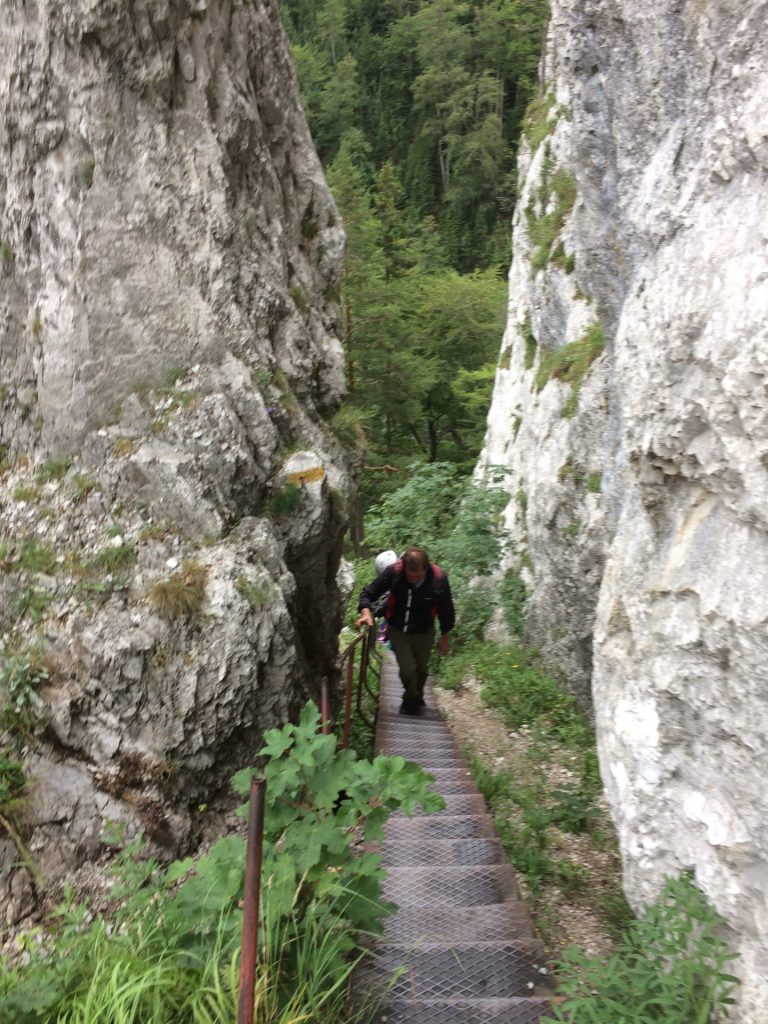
(631, 407)
(172, 496)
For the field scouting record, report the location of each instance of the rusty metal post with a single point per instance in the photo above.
(250, 945)
(348, 699)
(325, 706)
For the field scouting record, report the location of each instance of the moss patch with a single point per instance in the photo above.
(571, 364)
(555, 198)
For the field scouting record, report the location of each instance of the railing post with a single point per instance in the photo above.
(325, 706)
(250, 944)
(348, 699)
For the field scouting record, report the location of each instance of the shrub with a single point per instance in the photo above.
(513, 598)
(182, 595)
(169, 953)
(21, 674)
(538, 121)
(670, 968)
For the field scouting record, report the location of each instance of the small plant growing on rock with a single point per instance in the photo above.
(182, 595)
(81, 486)
(115, 557)
(256, 592)
(285, 501)
(123, 446)
(35, 556)
(25, 492)
(21, 674)
(86, 173)
(53, 469)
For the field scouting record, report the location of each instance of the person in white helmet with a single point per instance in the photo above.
(382, 562)
(417, 595)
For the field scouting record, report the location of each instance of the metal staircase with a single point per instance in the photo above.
(460, 948)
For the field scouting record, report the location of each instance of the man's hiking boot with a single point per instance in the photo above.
(411, 706)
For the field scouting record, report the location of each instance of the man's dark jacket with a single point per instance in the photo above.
(412, 609)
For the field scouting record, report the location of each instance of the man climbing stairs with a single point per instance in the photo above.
(460, 947)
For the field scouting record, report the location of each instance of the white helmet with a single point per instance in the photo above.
(384, 560)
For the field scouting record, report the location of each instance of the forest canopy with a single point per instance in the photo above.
(416, 109)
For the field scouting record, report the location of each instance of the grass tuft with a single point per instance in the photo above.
(182, 595)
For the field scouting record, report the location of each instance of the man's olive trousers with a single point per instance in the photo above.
(412, 651)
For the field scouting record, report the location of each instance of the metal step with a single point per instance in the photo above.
(455, 886)
(467, 971)
(443, 852)
(455, 804)
(476, 1011)
(460, 948)
(446, 925)
(440, 826)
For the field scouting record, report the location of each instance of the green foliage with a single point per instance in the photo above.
(538, 122)
(316, 797)
(81, 486)
(547, 212)
(258, 593)
(285, 501)
(416, 110)
(670, 968)
(36, 556)
(513, 598)
(571, 363)
(86, 172)
(22, 672)
(12, 781)
(438, 88)
(594, 483)
(30, 601)
(6, 253)
(349, 424)
(169, 953)
(115, 557)
(53, 469)
(26, 492)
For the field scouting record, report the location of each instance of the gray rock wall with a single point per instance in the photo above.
(660, 115)
(172, 496)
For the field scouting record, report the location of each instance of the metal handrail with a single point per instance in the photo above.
(368, 656)
(249, 948)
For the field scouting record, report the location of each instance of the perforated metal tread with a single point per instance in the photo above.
(482, 971)
(457, 886)
(455, 804)
(459, 950)
(446, 925)
(440, 826)
(445, 852)
(478, 1011)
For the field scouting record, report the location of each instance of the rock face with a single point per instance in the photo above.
(639, 460)
(172, 497)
